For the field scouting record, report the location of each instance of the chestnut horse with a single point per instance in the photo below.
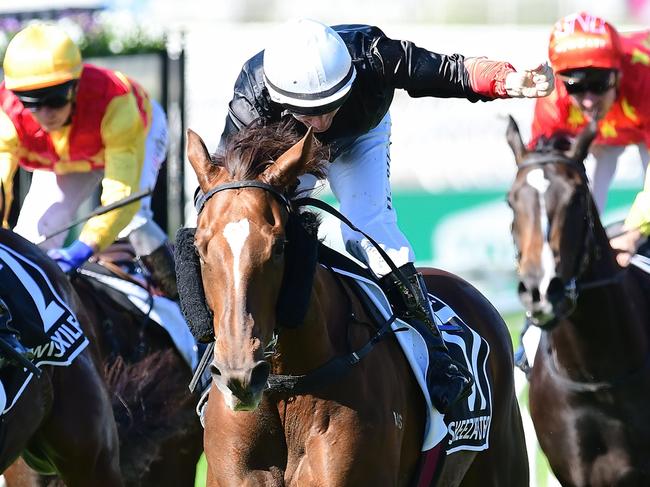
(366, 427)
(590, 381)
(63, 421)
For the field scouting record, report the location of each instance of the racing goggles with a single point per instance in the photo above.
(52, 97)
(596, 81)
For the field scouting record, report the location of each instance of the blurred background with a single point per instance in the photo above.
(451, 166)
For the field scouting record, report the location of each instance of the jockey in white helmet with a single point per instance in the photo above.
(341, 81)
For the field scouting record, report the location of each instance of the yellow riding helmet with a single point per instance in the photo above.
(39, 56)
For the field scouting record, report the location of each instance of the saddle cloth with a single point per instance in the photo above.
(46, 324)
(467, 426)
(159, 309)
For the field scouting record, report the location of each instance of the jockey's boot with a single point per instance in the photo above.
(160, 264)
(12, 352)
(449, 381)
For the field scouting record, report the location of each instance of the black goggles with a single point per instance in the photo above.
(316, 111)
(596, 83)
(51, 97)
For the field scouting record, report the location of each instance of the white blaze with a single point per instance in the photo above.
(537, 180)
(236, 234)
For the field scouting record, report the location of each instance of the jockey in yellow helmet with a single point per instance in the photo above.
(76, 126)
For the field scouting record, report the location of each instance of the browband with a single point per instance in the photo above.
(201, 198)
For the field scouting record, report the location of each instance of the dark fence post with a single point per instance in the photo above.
(169, 195)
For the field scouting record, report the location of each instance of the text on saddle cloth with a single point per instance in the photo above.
(468, 423)
(45, 322)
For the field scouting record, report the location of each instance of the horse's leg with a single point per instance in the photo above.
(20, 423)
(178, 467)
(243, 449)
(79, 435)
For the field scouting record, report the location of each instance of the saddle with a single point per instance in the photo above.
(119, 275)
(121, 260)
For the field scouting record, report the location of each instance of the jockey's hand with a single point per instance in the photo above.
(530, 83)
(71, 257)
(626, 245)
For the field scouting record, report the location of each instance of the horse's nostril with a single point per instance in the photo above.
(536, 296)
(521, 289)
(259, 375)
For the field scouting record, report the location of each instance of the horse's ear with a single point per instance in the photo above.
(288, 166)
(515, 141)
(581, 144)
(199, 158)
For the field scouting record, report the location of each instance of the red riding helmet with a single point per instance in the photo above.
(582, 40)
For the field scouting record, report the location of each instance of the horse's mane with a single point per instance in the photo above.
(251, 150)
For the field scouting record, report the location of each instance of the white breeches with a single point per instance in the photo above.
(601, 167)
(360, 181)
(53, 200)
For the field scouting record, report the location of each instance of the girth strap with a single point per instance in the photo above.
(328, 372)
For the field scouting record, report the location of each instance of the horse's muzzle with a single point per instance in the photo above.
(242, 388)
(538, 307)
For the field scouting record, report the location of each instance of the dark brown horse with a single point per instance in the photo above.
(590, 382)
(63, 421)
(159, 432)
(366, 427)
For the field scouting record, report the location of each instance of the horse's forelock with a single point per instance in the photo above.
(560, 142)
(250, 151)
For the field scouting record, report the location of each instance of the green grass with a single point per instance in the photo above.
(201, 472)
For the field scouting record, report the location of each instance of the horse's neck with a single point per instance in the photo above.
(605, 335)
(310, 345)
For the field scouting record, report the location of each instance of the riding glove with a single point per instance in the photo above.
(530, 83)
(71, 257)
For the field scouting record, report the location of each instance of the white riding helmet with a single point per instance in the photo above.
(307, 68)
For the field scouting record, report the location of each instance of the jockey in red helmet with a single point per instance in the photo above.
(605, 76)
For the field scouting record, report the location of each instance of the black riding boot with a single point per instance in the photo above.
(160, 264)
(448, 380)
(11, 350)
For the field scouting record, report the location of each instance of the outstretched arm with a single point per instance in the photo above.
(426, 73)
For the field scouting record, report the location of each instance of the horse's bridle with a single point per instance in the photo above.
(339, 365)
(200, 198)
(572, 288)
